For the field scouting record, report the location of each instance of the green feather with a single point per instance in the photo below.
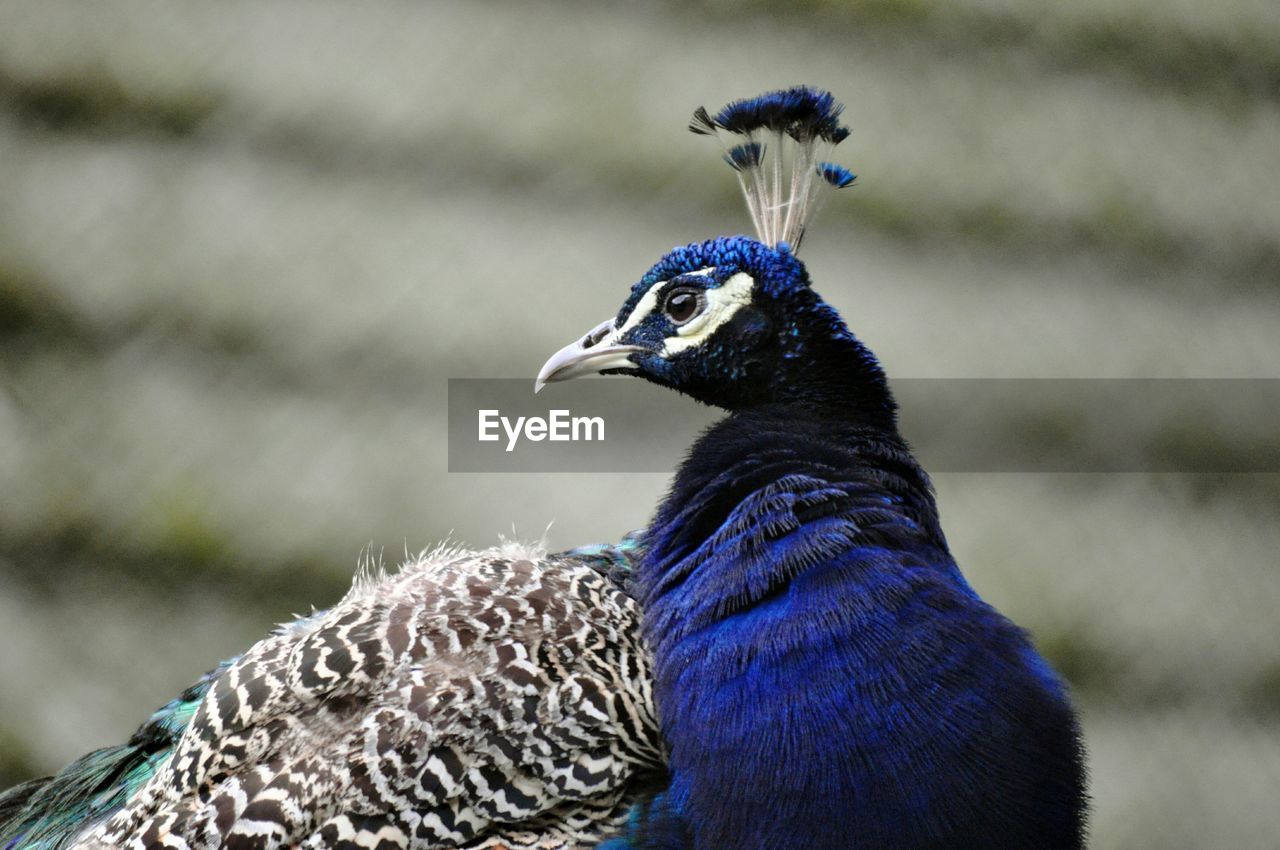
(46, 814)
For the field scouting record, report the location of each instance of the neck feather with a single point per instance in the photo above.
(780, 488)
(812, 638)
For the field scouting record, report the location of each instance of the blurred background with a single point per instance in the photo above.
(244, 244)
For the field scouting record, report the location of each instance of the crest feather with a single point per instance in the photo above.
(777, 178)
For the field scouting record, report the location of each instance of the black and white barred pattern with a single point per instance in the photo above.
(494, 699)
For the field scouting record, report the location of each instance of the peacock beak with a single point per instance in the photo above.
(591, 355)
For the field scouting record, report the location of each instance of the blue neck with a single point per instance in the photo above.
(824, 675)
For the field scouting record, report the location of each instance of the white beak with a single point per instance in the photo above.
(590, 355)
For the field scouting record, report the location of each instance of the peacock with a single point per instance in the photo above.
(786, 656)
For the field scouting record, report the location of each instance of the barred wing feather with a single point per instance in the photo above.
(474, 699)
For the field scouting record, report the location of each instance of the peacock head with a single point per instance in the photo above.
(734, 322)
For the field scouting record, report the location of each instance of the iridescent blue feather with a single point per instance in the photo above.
(837, 175)
(777, 182)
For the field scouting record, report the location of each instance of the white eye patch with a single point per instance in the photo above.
(642, 309)
(722, 302)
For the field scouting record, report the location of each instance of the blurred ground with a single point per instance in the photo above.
(243, 245)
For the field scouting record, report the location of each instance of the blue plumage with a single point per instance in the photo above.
(823, 669)
(826, 676)
(777, 180)
(801, 112)
(745, 156)
(837, 175)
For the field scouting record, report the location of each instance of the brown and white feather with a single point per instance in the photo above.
(473, 699)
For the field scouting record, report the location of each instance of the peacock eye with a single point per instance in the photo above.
(681, 305)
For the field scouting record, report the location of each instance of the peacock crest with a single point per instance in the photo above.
(778, 144)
